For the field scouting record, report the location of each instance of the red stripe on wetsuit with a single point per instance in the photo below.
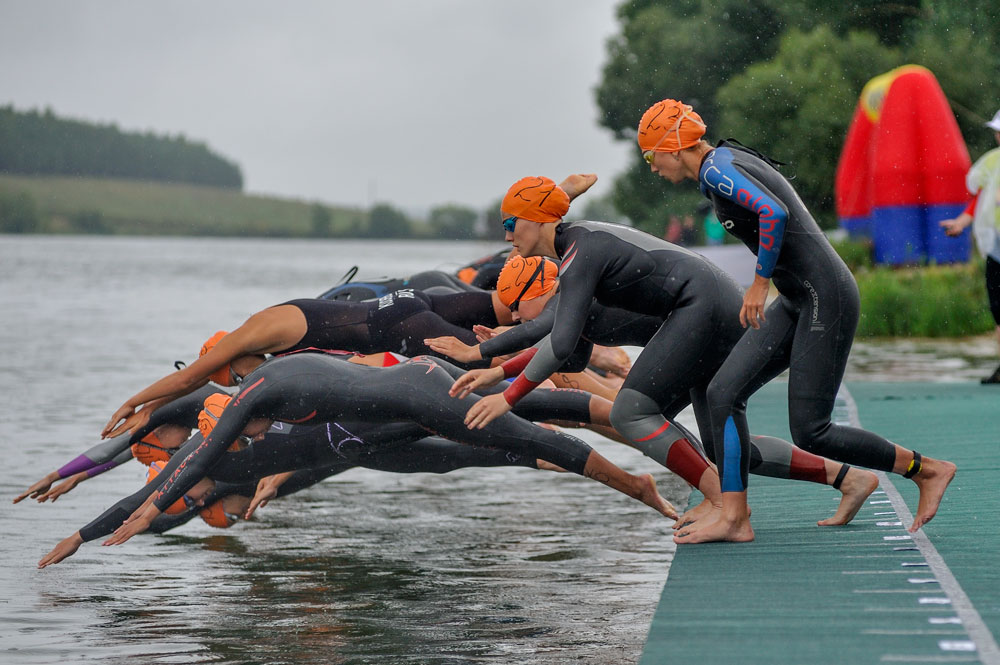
(521, 385)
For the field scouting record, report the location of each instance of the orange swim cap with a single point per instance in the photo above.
(526, 278)
(154, 470)
(149, 449)
(535, 199)
(669, 126)
(220, 376)
(215, 515)
(208, 417)
(467, 274)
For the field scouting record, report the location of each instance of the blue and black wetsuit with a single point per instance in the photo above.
(397, 322)
(808, 329)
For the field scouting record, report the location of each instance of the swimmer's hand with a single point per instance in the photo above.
(64, 487)
(267, 489)
(613, 360)
(64, 549)
(39, 488)
(455, 348)
(484, 333)
(133, 421)
(578, 183)
(752, 312)
(475, 379)
(137, 523)
(485, 411)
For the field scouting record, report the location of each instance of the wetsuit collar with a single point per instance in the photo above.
(559, 242)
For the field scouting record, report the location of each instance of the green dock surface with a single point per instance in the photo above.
(867, 592)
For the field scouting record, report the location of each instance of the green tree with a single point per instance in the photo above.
(785, 77)
(966, 61)
(384, 221)
(453, 221)
(797, 107)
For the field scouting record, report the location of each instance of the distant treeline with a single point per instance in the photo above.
(39, 143)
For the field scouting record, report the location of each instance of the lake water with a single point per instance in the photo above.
(481, 565)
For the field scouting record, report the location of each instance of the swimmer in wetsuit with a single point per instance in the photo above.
(325, 325)
(316, 452)
(683, 348)
(317, 388)
(808, 329)
(769, 456)
(396, 322)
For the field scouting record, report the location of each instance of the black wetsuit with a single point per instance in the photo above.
(332, 447)
(612, 326)
(315, 388)
(429, 281)
(627, 269)
(397, 322)
(808, 329)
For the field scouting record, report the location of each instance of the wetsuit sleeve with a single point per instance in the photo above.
(736, 180)
(304, 478)
(438, 455)
(197, 463)
(165, 522)
(118, 460)
(181, 411)
(99, 455)
(521, 336)
(114, 516)
(581, 270)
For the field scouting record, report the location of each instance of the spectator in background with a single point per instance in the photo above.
(714, 233)
(689, 232)
(673, 231)
(983, 213)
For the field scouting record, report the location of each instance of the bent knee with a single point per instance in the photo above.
(722, 394)
(629, 408)
(811, 436)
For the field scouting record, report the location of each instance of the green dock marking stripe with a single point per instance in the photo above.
(868, 592)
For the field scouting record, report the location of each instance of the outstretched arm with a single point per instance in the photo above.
(99, 454)
(263, 332)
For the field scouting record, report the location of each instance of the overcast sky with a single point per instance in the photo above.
(411, 102)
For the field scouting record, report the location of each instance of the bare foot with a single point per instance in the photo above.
(933, 480)
(722, 529)
(701, 511)
(649, 495)
(857, 485)
(576, 184)
(548, 466)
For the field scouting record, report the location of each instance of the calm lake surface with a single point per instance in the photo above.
(480, 565)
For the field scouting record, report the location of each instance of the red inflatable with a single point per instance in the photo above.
(902, 170)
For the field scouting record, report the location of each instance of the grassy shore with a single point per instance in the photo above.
(69, 205)
(929, 301)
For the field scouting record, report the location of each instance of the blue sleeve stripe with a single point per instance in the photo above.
(720, 175)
